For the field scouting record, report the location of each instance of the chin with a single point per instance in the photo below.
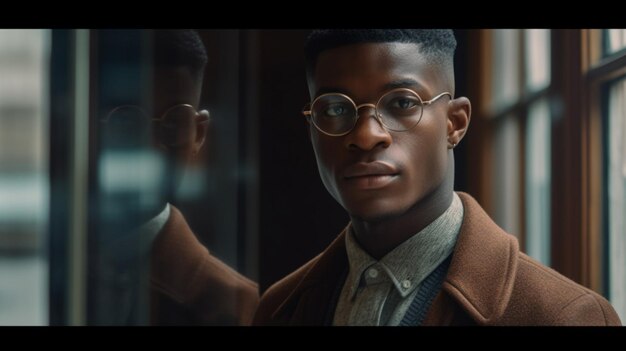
(376, 211)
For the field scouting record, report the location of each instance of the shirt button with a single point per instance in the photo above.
(373, 273)
(406, 284)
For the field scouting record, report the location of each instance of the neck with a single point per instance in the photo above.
(380, 237)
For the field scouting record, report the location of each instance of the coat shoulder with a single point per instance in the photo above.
(542, 296)
(278, 292)
(214, 294)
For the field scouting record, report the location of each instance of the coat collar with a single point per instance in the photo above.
(484, 265)
(480, 278)
(320, 280)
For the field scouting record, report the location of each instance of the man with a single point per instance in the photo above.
(150, 138)
(384, 122)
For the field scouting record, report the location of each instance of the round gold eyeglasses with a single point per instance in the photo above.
(398, 110)
(175, 125)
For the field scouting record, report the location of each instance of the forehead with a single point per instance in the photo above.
(364, 69)
(173, 85)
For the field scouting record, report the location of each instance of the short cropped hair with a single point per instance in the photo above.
(438, 45)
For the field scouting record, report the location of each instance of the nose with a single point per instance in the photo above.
(368, 133)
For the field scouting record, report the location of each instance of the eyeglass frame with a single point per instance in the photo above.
(107, 118)
(308, 113)
(160, 119)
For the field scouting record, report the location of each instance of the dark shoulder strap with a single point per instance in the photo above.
(425, 295)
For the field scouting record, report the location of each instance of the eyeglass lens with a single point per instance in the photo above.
(398, 110)
(174, 128)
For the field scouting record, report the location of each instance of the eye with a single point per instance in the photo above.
(336, 110)
(404, 103)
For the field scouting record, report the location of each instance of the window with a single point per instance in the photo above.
(506, 170)
(518, 124)
(572, 158)
(614, 40)
(538, 145)
(538, 181)
(74, 191)
(505, 87)
(616, 195)
(604, 241)
(23, 177)
(537, 58)
(136, 169)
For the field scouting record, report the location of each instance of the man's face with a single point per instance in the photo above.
(136, 149)
(172, 87)
(372, 172)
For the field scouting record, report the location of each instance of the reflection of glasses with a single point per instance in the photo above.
(175, 125)
(398, 110)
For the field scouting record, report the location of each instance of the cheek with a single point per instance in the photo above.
(326, 156)
(425, 153)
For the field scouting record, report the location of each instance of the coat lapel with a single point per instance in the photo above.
(483, 268)
(310, 302)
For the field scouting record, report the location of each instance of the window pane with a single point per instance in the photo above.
(505, 76)
(614, 40)
(23, 177)
(506, 174)
(537, 44)
(154, 185)
(616, 196)
(538, 182)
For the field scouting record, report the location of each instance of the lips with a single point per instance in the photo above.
(363, 169)
(371, 175)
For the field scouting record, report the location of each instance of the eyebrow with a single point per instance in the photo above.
(326, 90)
(404, 83)
(399, 83)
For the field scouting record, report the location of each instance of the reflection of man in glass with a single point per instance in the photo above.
(149, 141)
(384, 122)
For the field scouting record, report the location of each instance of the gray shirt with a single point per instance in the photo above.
(380, 292)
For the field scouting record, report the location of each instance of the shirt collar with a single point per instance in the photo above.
(138, 242)
(409, 263)
(150, 229)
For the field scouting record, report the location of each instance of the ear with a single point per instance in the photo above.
(459, 114)
(203, 123)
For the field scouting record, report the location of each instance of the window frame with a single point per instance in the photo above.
(485, 120)
(599, 71)
(579, 71)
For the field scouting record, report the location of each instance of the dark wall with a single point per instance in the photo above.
(298, 218)
(212, 208)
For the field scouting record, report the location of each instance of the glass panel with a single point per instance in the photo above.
(506, 174)
(616, 196)
(537, 44)
(23, 176)
(538, 182)
(157, 195)
(614, 40)
(506, 63)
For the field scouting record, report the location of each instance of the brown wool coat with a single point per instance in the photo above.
(489, 282)
(189, 286)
